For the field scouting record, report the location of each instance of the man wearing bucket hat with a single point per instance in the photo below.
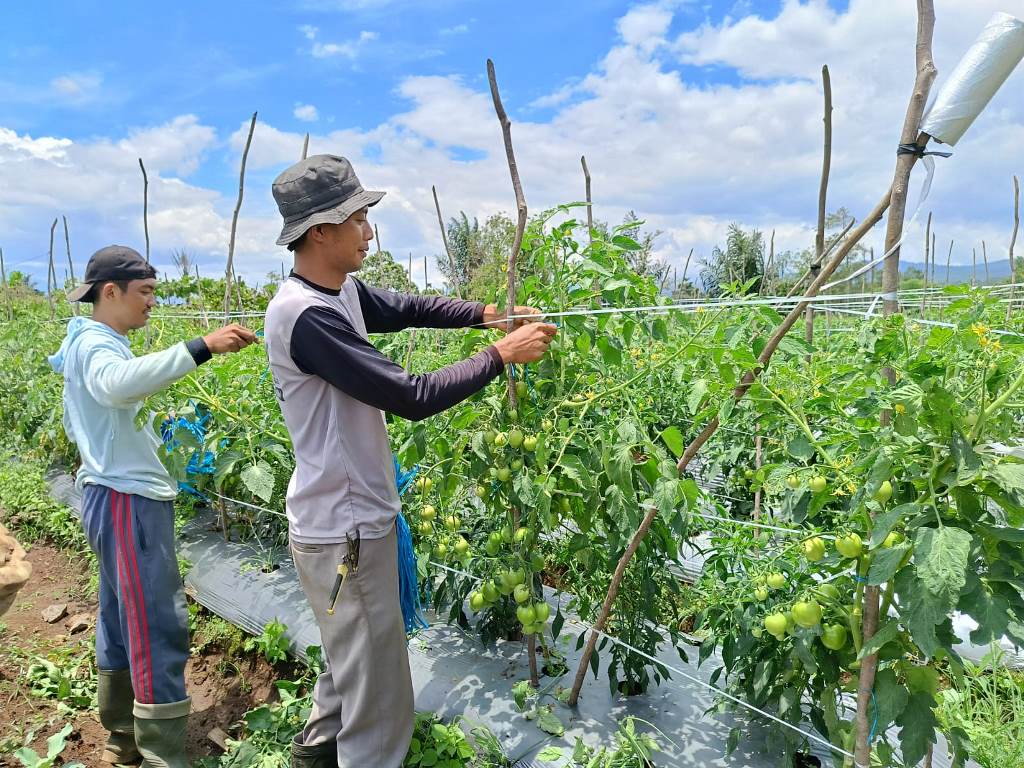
(333, 386)
(127, 505)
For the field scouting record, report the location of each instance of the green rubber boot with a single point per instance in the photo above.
(115, 696)
(324, 755)
(160, 733)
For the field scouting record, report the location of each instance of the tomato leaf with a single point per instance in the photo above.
(885, 562)
(917, 727)
(888, 632)
(800, 448)
(696, 395)
(890, 699)
(259, 479)
(886, 521)
(941, 558)
(674, 440)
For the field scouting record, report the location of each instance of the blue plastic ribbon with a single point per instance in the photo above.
(408, 576)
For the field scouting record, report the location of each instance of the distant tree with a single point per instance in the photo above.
(382, 271)
(183, 261)
(18, 279)
(741, 260)
(643, 260)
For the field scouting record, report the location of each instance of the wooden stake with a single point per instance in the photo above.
(974, 266)
(51, 277)
(871, 260)
(456, 283)
(71, 266)
(517, 188)
(984, 258)
(927, 241)
(757, 464)
(7, 290)
(948, 257)
(376, 236)
(201, 300)
(145, 206)
(766, 281)
(229, 271)
(590, 202)
(890, 306)
(687, 266)
(826, 164)
(305, 146)
(1013, 241)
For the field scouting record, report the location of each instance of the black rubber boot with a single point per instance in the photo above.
(324, 755)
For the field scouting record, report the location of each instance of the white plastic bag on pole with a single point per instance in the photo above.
(975, 80)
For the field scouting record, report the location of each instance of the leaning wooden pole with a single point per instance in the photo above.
(305, 147)
(890, 305)
(230, 269)
(698, 442)
(71, 265)
(457, 283)
(826, 165)
(590, 201)
(201, 300)
(1013, 242)
(984, 259)
(687, 266)
(765, 286)
(145, 205)
(510, 303)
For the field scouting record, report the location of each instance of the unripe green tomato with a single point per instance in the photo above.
(828, 591)
(757, 632)
(530, 444)
(894, 538)
(884, 492)
(536, 562)
(428, 513)
(542, 611)
(481, 491)
(461, 546)
(790, 622)
(760, 594)
(817, 484)
(748, 474)
(441, 549)
(564, 503)
(521, 593)
(426, 528)
(517, 464)
(793, 482)
(547, 425)
(814, 549)
(493, 471)
(775, 624)
(492, 547)
(507, 580)
(515, 438)
(807, 613)
(506, 534)
(504, 473)
(522, 390)
(476, 601)
(519, 576)
(776, 580)
(521, 535)
(513, 415)
(850, 546)
(833, 636)
(452, 522)
(526, 615)
(490, 590)
(490, 436)
(500, 440)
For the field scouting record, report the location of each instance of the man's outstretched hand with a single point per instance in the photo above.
(230, 338)
(495, 319)
(526, 344)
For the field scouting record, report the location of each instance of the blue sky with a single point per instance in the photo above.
(693, 113)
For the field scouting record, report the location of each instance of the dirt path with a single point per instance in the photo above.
(222, 687)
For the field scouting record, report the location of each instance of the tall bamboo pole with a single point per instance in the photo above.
(686, 267)
(1013, 241)
(456, 283)
(590, 201)
(71, 266)
(51, 277)
(145, 205)
(948, 257)
(890, 305)
(7, 290)
(984, 258)
(826, 164)
(927, 242)
(230, 269)
(202, 301)
(376, 236)
(510, 303)
(766, 279)
(305, 147)
(974, 266)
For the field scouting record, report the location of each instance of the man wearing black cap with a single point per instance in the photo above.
(127, 505)
(333, 386)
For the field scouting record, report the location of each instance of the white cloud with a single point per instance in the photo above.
(458, 29)
(306, 112)
(77, 88)
(686, 155)
(349, 49)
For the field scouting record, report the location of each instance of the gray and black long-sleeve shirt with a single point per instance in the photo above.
(333, 386)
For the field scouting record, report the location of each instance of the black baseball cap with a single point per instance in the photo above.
(115, 262)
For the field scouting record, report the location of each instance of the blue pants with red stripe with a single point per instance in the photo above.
(143, 621)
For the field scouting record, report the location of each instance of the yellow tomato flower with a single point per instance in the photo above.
(900, 408)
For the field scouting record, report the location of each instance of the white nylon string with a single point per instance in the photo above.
(926, 186)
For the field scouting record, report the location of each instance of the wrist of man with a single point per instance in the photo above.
(499, 353)
(199, 350)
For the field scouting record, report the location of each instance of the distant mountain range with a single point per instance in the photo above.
(998, 271)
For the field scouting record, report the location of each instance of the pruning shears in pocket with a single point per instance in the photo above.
(349, 564)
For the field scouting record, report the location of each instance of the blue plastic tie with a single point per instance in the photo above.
(860, 579)
(874, 724)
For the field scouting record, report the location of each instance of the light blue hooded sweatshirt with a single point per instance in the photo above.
(104, 387)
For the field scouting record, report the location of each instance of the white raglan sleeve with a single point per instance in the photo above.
(117, 382)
